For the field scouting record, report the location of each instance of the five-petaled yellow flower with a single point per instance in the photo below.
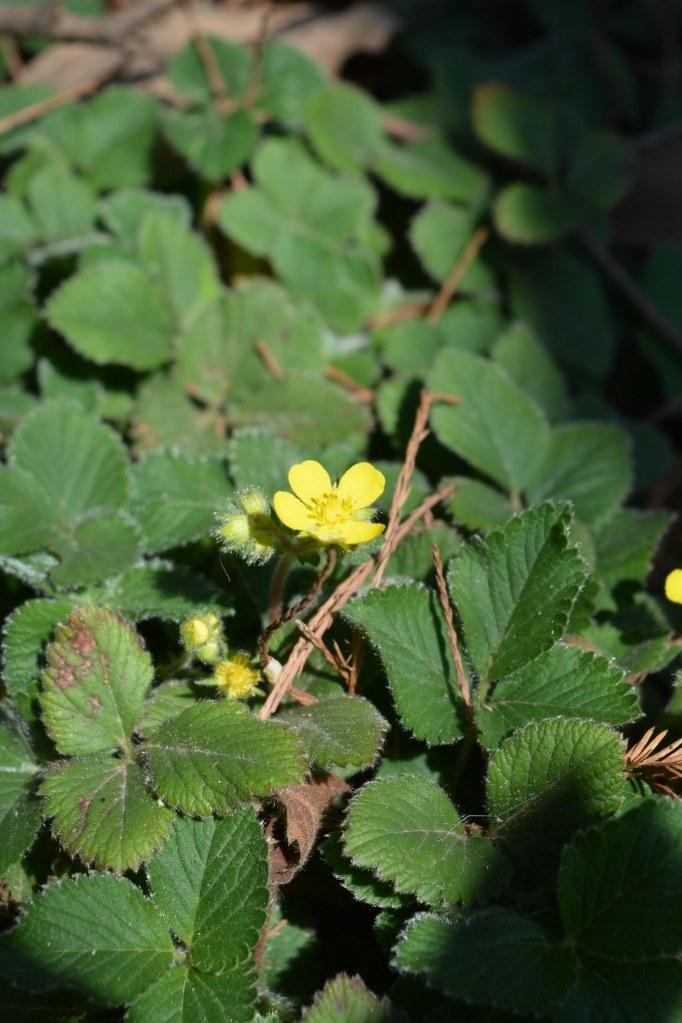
(673, 586)
(332, 513)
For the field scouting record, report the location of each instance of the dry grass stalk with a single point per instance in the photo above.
(661, 766)
(362, 394)
(269, 360)
(451, 631)
(454, 278)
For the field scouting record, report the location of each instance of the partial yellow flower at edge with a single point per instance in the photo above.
(673, 586)
(235, 677)
(332, 513)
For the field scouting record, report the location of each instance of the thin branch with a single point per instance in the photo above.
(454, 278)
(206, 54)
(400, 314)
(363, 394)
(59, 99)
(296, 609)
(451, 631)
(269, 360)
(338, 663)
(631, 291)
(50, 21)
(253, 85)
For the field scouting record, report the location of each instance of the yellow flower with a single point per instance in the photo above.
(202, 636)
(673, 586)
(235, 677)
(332, 513)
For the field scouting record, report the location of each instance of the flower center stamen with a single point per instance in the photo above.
(331, 508)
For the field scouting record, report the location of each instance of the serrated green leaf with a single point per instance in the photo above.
(414, 557)
(213, 144)
(97, 934)
(176, 498)
(97, 548)
(114, 313)
(63, 205)
(360, 881)
(619, 885)
(287, 81)
(477, 505)
(344, 731)
(103, 812)
(344, 125)
(18, 232)
(497, 428)
(515, 592)
(164, 417)
(215, 756)
(19, 317)
(231, 65)
(19, 810)
(26, 631)
(601, 169)
(165, 702)
(260, 459)
(563, 680)
(407, 831)
(159, 589)
(552, 777)
(438, 234)
(626, 545)
(532, 368)
(346, 1000)
(124, 211)
(588, 464)
(608, 992)
(429, 169)
(494, 958)
(210, 882)
(406, 626)
(533, 215)
(517, 125)
(185, 995)
(95, 682)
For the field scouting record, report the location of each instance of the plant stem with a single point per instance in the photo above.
(279, 578)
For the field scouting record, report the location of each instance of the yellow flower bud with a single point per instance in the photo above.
(235, 677)
(202, 636)
(247, 528)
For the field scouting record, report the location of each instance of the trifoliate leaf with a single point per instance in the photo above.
(19, 810)
(406, 626)
(494, 958)
(19, 317)
(517, 125)
(532, 368)
(210, 880)
(406, 830)
(563, 680)
(551, 778)
(515, 592)
(95, 682)
(429, 169)
(533, 215)
(63, 205)
(344, 125)
(103, 812)
(97, 934)
(26, 631)
(346, 1000)
(588, 464)
(176, 498)
(344, 731)
(619, 885)
(186, 995)
(496, 427)
(477, 505)
(213, 144)
(114, 313)
(215, 756)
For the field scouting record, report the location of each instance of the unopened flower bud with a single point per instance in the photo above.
(248, 529)
(202, 636)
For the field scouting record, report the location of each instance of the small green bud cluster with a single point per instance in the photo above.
(202, 637)
(248, 529)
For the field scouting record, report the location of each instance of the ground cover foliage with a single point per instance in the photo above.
(445, 791)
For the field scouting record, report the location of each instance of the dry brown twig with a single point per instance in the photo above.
(456, 275)
(269, 360)
(660, 765)
(365, 395)
(451, 631)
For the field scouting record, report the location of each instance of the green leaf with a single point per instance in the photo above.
(344, 731)
(103, 812)
(429, 169)
(186, 995)
(165, 702)
(63, 205)
(439, 234)
(515, 592)
(608, 992)
(563, 680)
(96, 549)
(405, 625)
(18, 232)
(601, 169)
(533, 370)
(477, 505)
(215, 756)
(165, 417)
(494, 958)
(346, 1000)
(260, 459)
(408, 347)
(159, 589)
(125, 210)
(113, 313)
(26, 631)
(287, 81)
(213, 144)
(361, 882)
(588, 464)
(407, 831)
(19, 810)
(534, 215)
(345, 127)
(497, 428)
(95, 682)
(176, 498)
(626, 545)
(210, 881)
(620, 885)
(552, 777)
(19, 317)
(310, 225)
(517, 125)
(97, 934)
(231, 64)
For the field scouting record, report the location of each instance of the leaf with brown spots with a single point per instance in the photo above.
(95, 682)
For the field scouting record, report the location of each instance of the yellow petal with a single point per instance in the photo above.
(292, 512)
(362, 483)
(673, 586)
(352, 533)
(309, 479)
